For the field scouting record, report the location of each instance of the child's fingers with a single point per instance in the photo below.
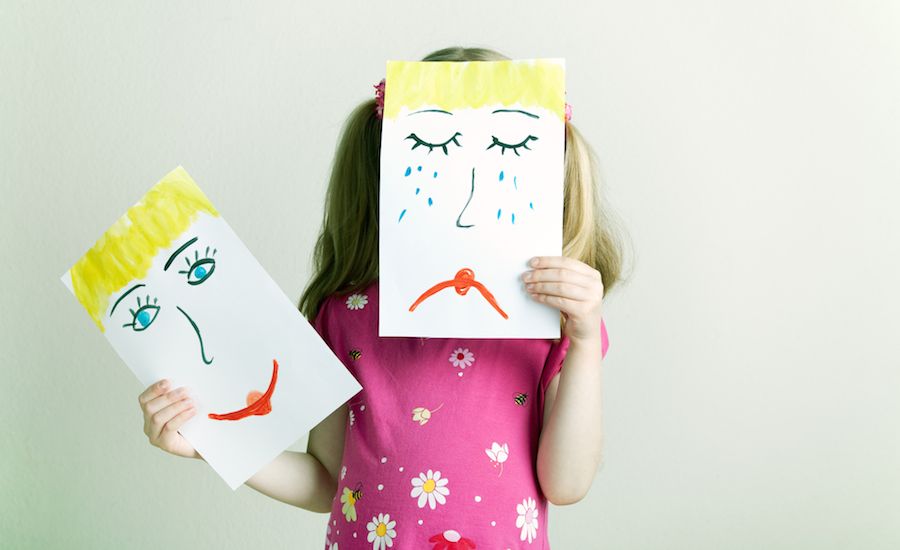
(152, 391)
(562, 290)
(561, 275)
(179, 419)
(157, 404)
(159, 419)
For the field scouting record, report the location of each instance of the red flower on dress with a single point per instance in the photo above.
(451, 540)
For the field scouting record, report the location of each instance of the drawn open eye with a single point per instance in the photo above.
(144, 315)
(431, 146)
(515, 148)
(200, 269)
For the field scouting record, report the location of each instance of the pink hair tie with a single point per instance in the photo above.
(568, 112)
(379, 99)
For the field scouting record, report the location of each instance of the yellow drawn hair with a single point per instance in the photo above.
(126, 251)
(451, 85)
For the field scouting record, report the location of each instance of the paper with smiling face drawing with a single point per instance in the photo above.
(471, 188)
(179, 296)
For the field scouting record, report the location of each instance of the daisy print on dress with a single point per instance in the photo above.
(527, 519)
(357, 301)
(349, 498)
(451, 540)
(430, 488)
(498, 455)
(381, 531)
(422, 415)
(462, 358)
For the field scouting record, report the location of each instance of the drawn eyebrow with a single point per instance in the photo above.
(123, 296)
(179, 251)
(431, 111)
(532, 115)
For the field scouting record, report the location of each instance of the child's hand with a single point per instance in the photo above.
(165, 412)
(573, 287)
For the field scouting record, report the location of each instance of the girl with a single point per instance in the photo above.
(452, 444)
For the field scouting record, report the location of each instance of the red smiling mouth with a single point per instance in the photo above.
(464, 279)
(257, 404)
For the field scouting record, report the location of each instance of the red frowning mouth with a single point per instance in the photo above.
(464, 279)
(257, 403)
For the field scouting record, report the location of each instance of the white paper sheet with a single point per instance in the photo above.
(471, 178)
(216, 322)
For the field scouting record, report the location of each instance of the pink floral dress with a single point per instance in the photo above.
(441, 442)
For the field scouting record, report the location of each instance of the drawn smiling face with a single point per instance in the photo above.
(471, 171)
(188, 303)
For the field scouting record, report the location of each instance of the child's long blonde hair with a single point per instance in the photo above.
(346, 252)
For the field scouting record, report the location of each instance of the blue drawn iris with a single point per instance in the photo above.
(144, 318)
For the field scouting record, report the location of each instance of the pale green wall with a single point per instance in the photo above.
(751, 392)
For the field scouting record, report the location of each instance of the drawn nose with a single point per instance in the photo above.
(199, 336)
(471, 192)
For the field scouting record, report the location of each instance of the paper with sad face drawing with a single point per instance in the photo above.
(471, 188)
(179, 296)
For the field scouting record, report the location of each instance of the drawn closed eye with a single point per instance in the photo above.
(515, 148)
(144, 315)
(431, 146)
(201, 269)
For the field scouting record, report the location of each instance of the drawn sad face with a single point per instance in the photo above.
(470, 176)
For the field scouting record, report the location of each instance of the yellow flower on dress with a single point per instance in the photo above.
(422, 415)
(381, 531)
(430, 488)
(357, 301)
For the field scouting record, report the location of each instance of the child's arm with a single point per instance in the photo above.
(571, 441)
(296, 478)
(307, 480)
(570, 446)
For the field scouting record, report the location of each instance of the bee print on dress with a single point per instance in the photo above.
(520, 398)
(355, 354)
(350, 498)
(451, 540)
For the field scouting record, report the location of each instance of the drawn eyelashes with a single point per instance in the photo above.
(515, 148)
(431, 146)
(144, 315)
(496, 142)
(200, 269)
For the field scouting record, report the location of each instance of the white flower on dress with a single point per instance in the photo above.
(430, 488)
(498, 454)
(352, 417)
(462, 357)
(333, 547)
(381, 531)
(527, 519)
(357, 301)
